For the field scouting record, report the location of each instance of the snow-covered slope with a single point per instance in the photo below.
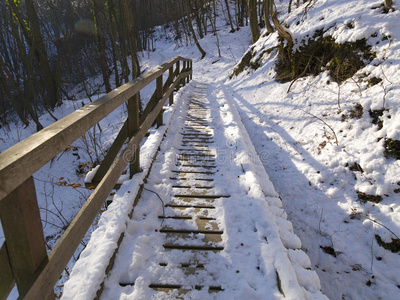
(320, 181)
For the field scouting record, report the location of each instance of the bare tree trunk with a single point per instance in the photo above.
(214, 28)
(281, 31)
(34, 40)
(5, 84)
(290, 7)
(123, 41)
(197, 17)
(229, 15)
(41, 55)
(101, 45)
(255, 30)
(267, 14)
(189, 19)
(111, 14)
(129, 23)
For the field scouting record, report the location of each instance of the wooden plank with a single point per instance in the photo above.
(112, 153)
(184, 70)
(201, 224)
(178, 71)
(191, 69)
(120, 139)
(185, 238)
(19, 162)
(66, 246)
(171, 79)
(133, 126)
(153, 101)
(7, 281)
(159, 96)
(23, 231)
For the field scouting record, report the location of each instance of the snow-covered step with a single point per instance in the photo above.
(220, 231)
(191, 224)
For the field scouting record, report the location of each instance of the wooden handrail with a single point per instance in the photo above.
(20, 162)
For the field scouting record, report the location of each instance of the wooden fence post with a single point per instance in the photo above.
(184, 70)
(171, 79)
(191, 69)
(7, 281)
(133, 126)
(187, 70)
(22, 226)
(178, 71)
(159, 96)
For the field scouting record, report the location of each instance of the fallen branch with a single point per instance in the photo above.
(314, 116)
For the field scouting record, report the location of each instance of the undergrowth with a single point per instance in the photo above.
(392, 148)
(321, 53)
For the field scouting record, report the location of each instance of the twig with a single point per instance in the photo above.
(372, 252)
(320, 220)
(314, 116)
(302, 73)
(163, 205)
(379, 223)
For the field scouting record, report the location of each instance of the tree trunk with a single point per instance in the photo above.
(123, 41)
(6, 88)
(189, 19)
(281, 31)
(111, 14)
(129, 23)
(101, 45)
(35, 43)
(255, 30)
(41, 55)
(229, 15)
(267, 14)
(197, 17)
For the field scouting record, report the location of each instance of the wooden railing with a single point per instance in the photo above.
(23, 257)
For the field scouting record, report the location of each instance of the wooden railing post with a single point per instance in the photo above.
(7, 281)
(187, 70)
(178, 71)
(159, 89)
(191, 69)
(184, 70)
(23, 231)
(133, 126)
(171, 79)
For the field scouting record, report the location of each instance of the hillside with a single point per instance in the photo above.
(332, 148)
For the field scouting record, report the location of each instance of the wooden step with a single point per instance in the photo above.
(201, 224)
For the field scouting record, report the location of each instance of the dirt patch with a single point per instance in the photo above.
(394, 246)
(328, 250)
(371, 198)
(356, 167)
(376, 117)
(392, 148)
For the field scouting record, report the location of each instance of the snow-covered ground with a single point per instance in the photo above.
(316, 177)
(290, 133)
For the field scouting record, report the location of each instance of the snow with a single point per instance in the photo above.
(254, 244)
(298, 190)
(315, 183)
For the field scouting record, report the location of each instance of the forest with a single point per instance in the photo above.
(49, 47)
